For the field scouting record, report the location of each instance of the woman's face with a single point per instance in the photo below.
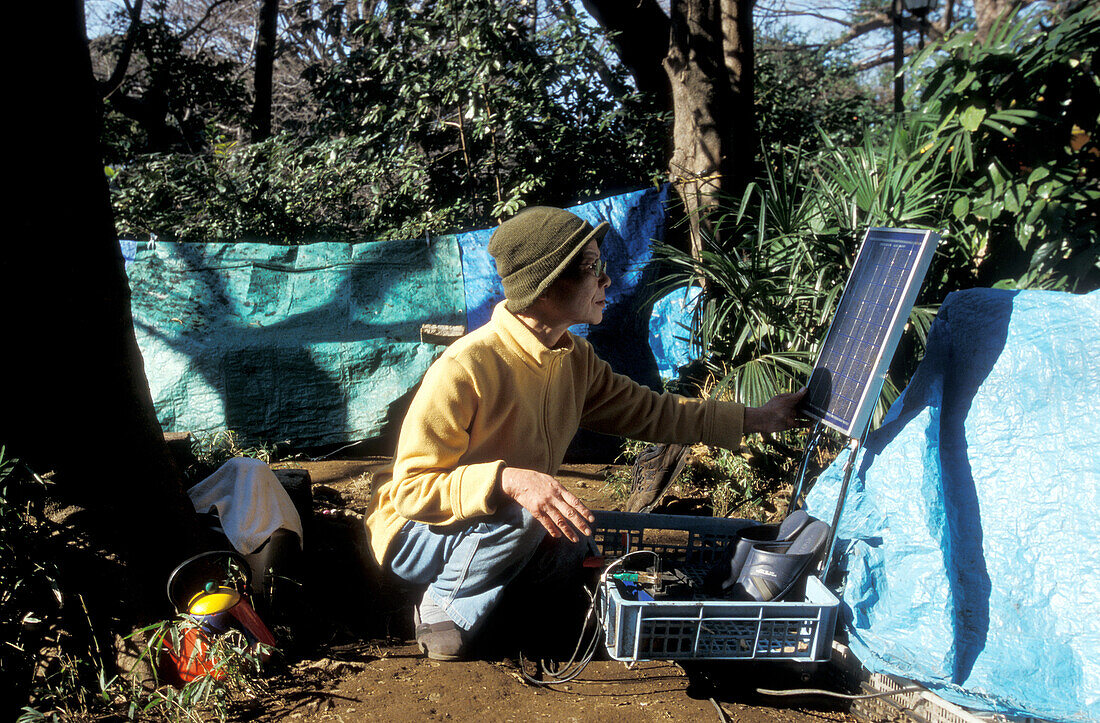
(578, 295)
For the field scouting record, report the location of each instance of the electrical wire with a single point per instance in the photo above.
(556, 674)
(811, 447)
(337, 451)
(619, 561)
(722, 715)
(832, 694)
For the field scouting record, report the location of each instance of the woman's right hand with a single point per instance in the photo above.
(556, 508)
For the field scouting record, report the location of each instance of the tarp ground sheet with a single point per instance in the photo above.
(970, 534)
(320, 343)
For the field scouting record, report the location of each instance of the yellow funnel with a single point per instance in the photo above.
(210, 603)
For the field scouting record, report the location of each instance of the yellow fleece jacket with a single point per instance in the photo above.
(499, 398)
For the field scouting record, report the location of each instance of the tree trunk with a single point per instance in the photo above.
(75, 399)
(710, 67)
(265, 64)
(706, 49)
(988, 12)
(641, 40)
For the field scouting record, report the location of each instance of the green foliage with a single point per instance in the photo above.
(995, 161)
(786, 249)
(47, 659)
(892, 182)
(282, 189)
(232, 678)
(743, 483)
(442, 116)
(170, 99)
(1014, 123)
(490, 108)
(212, 450)
(50, 655)
(727, 479)
(804, 90)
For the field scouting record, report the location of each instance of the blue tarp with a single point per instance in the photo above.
(670, 330)
(970, 535)
(320, 343)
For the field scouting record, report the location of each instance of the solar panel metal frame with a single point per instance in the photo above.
(893, 320)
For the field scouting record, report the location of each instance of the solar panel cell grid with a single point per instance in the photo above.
(867, 325)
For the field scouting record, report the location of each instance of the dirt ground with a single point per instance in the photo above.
(361, 664)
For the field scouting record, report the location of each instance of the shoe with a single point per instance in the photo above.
(723, 575)
(656, 467)
(774, 571)
(440, 641)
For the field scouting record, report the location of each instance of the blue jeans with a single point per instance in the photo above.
(467, 565)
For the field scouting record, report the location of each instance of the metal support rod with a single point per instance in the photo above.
(854, 446)
(899, 57)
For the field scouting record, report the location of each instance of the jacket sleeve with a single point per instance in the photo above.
(616, 404)
(430, 484)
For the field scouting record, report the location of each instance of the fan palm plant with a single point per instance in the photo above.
(789, 242)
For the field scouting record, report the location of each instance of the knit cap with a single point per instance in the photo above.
(534, 247)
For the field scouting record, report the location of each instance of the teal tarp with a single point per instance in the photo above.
(305, 343)
(320, 344)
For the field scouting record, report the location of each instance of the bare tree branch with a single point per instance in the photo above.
(884, 58)
(185, 35)
(857, 21)
(109, 86)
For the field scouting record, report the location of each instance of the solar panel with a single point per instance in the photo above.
(868, 324)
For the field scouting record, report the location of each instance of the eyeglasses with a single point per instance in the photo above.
(596, 268)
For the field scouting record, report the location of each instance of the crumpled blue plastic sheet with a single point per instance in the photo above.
(670, 330)
(970, 536)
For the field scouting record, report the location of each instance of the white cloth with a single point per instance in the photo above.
(250, 502)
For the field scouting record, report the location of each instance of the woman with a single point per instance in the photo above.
(471, 492)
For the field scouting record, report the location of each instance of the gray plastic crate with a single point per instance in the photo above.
(711, 628)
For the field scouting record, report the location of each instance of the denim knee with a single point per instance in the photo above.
(509, 538)
(533, 531)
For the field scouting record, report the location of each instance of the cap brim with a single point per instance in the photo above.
(596, 234)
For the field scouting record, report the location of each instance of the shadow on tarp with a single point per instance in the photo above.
(277, 343)
(961, 536)
(319, 344)
(963, 354)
